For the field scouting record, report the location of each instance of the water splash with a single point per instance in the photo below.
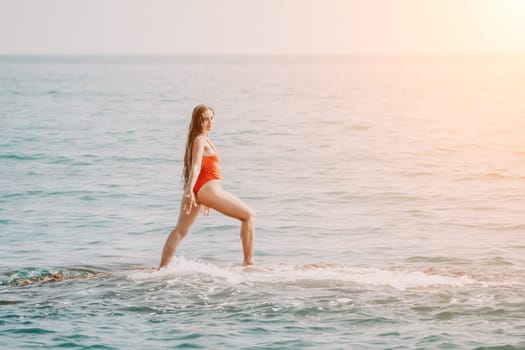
(310, 275)
(318, 275)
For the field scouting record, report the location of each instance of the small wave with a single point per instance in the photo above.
(17, 157)
(489, 175)
(358, 127)
(436, 259)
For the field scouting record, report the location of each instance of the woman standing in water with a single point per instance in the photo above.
(203, 188)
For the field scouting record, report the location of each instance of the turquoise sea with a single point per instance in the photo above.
(389, 194)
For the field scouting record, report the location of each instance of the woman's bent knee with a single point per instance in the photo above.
(249, 216)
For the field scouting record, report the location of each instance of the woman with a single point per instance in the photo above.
(203, 188)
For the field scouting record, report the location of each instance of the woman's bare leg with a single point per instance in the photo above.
(178, 233)
(212, 195)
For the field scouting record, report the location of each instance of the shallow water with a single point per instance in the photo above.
(388, 193)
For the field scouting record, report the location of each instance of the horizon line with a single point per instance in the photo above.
(448, 54)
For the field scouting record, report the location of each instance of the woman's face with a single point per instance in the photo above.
(207, 121)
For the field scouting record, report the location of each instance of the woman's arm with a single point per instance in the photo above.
(197, 152)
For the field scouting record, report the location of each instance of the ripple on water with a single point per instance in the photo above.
(30, 331)
(11, 302)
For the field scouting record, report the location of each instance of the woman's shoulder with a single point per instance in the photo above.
(200, 139)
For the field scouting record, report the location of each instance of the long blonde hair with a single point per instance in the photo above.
(193, 131)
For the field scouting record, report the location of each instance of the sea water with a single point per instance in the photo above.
(389, 194)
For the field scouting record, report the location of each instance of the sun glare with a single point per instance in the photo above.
(512, 14)
(516, 11)
(501, 23)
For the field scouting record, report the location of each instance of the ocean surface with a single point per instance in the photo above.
(389, 191)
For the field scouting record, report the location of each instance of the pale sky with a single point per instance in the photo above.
(262, 27)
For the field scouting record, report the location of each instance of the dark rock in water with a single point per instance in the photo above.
(30, 276)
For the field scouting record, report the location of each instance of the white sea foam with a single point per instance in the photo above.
(306, 275)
